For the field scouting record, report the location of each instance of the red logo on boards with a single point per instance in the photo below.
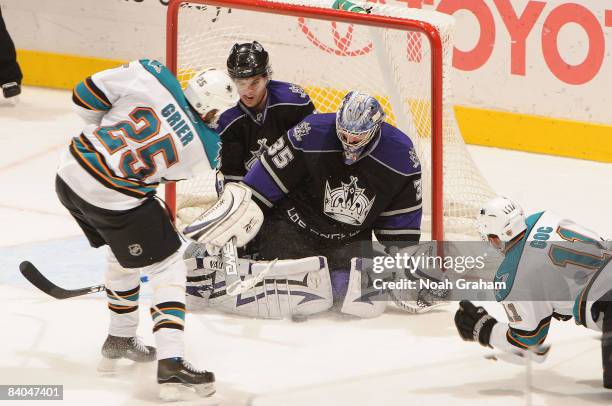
(342, 44)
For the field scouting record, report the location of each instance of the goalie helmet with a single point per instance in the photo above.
(501, 217)
(209, 90)
(358, 122)
(247, 60)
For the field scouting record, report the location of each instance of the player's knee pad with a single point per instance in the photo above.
(595, 299)
(118, 277)
(122, 285)
(167, 278)
(122, 292)
(362, 301)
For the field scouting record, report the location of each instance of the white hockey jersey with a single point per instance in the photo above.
(141, 131)
(544, 272)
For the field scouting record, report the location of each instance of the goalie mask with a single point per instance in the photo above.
(500, 218)
(358, 123)
(211, 92)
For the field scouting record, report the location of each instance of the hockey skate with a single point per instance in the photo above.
(116, 348)
(175, 376)
(10, 91)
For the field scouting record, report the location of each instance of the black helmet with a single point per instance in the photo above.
(246, 60)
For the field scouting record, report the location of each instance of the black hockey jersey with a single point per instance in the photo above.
(303, 174)
(245, 134)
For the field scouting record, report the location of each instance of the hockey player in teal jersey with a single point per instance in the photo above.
(552, 268)
(142, 129)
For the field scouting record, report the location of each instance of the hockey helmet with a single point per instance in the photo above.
(247, 60)
(358, 122)
(501, 217)
(211, 89)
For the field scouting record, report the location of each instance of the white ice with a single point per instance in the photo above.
(394, 359)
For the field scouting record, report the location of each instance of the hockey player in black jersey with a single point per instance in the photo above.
(326, 186)
(336, 178)
(266, 110)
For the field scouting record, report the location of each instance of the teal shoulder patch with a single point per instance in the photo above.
(210, 140)
(507, 270)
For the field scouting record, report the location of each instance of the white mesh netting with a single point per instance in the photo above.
(328, 59)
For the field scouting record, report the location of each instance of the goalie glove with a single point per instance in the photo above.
(474, 323)
(424, 297)
(234, 215)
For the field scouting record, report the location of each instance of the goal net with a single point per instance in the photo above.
(400, 55)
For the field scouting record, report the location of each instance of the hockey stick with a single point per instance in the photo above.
(240, 286)
(234, 284)
(234, 288)
(33, 275)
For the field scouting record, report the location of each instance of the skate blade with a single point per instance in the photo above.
(107, 365)
(172, 392)
(10, 102)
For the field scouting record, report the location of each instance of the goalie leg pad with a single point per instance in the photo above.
(234, 215)
(367, 302)
(299, 286)
(202, 281)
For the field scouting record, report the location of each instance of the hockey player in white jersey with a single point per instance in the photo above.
(142, 129)
(552, 268)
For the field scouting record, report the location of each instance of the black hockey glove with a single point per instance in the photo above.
(474, 323)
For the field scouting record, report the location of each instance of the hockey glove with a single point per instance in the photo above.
(474, 323)
(234, 215)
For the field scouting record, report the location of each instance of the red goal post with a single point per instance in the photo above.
(436, 105)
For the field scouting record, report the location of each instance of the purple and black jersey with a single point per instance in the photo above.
(245, 134)
(303, 175)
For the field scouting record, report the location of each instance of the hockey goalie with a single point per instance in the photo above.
(317, 195)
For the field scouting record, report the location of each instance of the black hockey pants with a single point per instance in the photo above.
(9, 69)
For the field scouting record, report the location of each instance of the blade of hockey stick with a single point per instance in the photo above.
(33, 275)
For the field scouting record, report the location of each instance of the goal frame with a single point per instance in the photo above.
(432, 34)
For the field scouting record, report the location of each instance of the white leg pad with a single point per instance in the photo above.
(366, 303)
(300, 286)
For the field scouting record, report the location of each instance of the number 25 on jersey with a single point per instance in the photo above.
(138, 142)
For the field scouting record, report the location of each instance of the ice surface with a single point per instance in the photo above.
(328, 360)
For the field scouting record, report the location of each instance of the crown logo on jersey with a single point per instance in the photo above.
(347, 203)
(298, 90)
(301, 130)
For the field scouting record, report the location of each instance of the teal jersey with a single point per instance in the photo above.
(544, 272)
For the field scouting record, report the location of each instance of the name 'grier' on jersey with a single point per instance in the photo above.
(180, 127)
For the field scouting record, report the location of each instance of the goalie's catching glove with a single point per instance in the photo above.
(474, 323)
(234, 215)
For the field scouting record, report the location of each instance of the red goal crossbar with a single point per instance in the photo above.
(437, 198)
